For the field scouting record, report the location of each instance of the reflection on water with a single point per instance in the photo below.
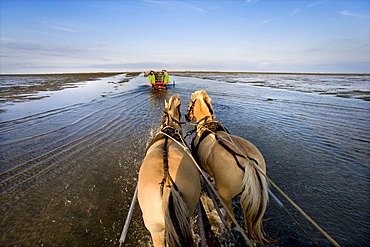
(157, 98)
(67, 174)
(19, 88)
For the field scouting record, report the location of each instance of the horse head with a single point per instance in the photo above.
(172, 112)
(200, 107)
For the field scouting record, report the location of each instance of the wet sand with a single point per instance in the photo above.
(68, 172)
(45, 82)
(310, 82)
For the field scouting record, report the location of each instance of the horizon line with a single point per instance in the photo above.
(196, 71)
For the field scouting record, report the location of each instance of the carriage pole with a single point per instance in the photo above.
(201, 225)
(128, 219)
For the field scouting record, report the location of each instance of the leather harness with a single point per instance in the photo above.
(164, 133)
(211, 128)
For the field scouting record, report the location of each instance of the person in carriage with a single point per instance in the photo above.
(165, 77)
(152, 78)
(159, 80)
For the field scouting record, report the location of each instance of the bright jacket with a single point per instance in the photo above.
(152, 79)
(166, 78)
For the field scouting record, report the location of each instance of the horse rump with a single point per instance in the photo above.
(177, 219)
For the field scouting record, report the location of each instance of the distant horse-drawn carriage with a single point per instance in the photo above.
(158, 80)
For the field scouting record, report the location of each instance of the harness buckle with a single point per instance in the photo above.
(177, 132)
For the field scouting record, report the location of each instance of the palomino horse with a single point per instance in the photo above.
(169, 183)
(230, 161)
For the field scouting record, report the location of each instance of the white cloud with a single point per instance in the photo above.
(178, 6)
(296, 11)
(314, 4)
(154, 1)
(250, 1)
(308, 6)
(269, 20)
(63, 29)
(347, 13)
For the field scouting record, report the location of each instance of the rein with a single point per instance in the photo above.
(211, 127)
(166, 132)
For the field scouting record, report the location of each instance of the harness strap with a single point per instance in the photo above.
(194, 149)
(213, 129)
(232, 152)
(210, 127)
(166, 173)
(174, 133)
(166, 132)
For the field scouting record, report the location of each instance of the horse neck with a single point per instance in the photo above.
(174, 124)
(170, 121)
(171, 129)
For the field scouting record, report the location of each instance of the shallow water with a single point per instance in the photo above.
(69, 162)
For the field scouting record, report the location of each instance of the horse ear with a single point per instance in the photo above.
(166, 104)
(192, 96)
(205, 95)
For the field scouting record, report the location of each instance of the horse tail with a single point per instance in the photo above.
(254, 201)
(177, 219)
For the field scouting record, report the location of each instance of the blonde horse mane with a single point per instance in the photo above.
(174, 98)
(173, 104)
(202, 95)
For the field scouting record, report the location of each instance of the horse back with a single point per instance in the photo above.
(245, 148)
(180, 167)
(185, 175)
(221, 164)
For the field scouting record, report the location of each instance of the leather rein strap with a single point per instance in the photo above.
(212, 128)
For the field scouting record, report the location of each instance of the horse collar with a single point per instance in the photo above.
(209, 127)
(165, 132)
(205, 119)
(172, 132)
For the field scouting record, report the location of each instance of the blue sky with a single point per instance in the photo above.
(51, 36)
